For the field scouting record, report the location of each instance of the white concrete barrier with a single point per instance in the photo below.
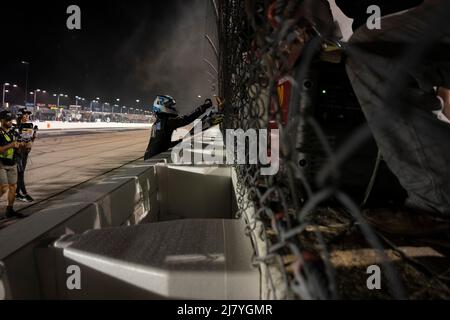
(120, 198)
(195, 205)
(197, 252)
(179, 259)
(59, 125)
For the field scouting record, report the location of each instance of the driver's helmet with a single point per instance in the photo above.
(165, 104)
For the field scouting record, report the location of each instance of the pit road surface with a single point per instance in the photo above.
(62, 159)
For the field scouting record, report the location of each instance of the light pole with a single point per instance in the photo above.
(35, 95)
(78, 98)
(103, 110)
(96, 100)
(114, 117)
(59, 96)
(6, 91)
(76, 103)
(27, 65)
(122, 116)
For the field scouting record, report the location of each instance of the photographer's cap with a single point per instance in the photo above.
(23, 111)
(6, 115)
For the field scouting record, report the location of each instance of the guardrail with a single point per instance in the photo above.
(59, 125)
(123, 197)
(185, 210)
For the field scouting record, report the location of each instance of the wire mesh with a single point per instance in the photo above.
(271, 56)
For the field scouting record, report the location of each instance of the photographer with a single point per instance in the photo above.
(26, 136)
(8, 169)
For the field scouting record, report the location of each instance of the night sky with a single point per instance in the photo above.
(125, 49)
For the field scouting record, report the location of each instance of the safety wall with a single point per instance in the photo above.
(123, 197)
(59, 125)
(148, 230)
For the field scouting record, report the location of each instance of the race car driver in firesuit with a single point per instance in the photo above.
(167, 121)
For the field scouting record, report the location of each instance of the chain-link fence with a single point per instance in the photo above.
(281, 68)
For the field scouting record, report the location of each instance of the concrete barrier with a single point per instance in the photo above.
(163, 217)
(181, 259)
(120, 198)
(59, 125)
(173, 237)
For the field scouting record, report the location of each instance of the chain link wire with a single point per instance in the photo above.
(303, 210)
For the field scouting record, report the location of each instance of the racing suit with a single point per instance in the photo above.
(163, 128)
